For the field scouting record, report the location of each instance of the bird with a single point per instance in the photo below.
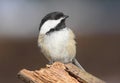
(56, 40)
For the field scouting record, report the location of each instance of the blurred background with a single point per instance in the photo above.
(96, 24)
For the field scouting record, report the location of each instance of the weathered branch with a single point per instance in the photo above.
(58, 73)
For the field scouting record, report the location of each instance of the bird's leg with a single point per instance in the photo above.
(51, 62)
(75, 62)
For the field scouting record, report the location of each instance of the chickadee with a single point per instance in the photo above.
(56, 40)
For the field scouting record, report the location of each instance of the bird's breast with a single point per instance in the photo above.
(57, 39)
(58, 45)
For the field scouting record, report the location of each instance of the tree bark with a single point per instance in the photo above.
(58, 73)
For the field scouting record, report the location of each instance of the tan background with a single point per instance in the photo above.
(95, 23)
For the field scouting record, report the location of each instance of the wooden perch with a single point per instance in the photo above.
(58, 73)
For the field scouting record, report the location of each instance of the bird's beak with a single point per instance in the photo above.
(66, 16)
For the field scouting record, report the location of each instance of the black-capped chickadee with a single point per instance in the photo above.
(56, 40)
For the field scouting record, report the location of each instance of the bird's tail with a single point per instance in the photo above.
(75, 62)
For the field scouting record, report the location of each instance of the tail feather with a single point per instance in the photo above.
(75, 62)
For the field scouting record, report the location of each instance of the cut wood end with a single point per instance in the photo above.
(58, 73)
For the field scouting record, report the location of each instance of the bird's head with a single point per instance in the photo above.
(52, 22)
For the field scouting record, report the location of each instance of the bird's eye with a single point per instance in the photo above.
(58, 16)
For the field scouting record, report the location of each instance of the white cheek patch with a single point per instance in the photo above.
(49, 25)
